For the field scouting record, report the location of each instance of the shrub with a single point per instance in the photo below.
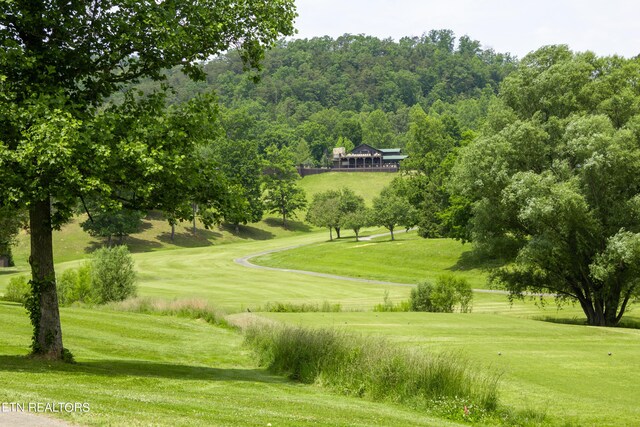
(448, 293)
(18, 289)
(75, 286)
(112, 274)
(420, 299)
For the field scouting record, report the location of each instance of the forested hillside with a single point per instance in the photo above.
(318, 93)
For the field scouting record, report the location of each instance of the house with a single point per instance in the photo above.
(366, 157)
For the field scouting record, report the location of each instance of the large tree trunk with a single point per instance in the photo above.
(338, 232)
(331, 233)
(45, 316)
(173, 231)
(391, 231)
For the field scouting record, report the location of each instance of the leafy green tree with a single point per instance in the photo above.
(240, 164)
(377, 131)
(58, 63)
(108, 221)
(350, 202)
(281, 193)
(390, 210)
(554, 181)
(356, 220)
(324, 211)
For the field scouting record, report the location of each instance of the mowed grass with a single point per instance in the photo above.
(563, 371)
(71, 242)
(408, 259)
(365, 184)
(139, 370)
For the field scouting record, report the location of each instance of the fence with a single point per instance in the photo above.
(314, 171)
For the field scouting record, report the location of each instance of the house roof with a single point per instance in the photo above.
(389, 150)
(399, 157)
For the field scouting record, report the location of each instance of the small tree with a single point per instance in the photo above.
(357, 220)
(112, 221)
(281, 193)
(390, 210)
(324, 211)
(113, 274)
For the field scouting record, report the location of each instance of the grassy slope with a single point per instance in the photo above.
(72, 243)
(563, 370)
(365, 184)
(409, 259)
(137, 369)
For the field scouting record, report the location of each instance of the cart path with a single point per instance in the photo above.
(25, 419)
(245, 261)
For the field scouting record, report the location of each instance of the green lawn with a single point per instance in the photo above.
(72, 243)
(365, 184)
(408, 259)
(562, 370)
(192, 373)
(139, 370)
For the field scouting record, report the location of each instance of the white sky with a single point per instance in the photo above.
(605, 27)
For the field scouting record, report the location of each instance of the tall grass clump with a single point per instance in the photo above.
(287, 307)
(372, 368)
(187, 308)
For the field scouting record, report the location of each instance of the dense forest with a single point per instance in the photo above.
(314, 94)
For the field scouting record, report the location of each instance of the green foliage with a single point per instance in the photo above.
(186, 308)
(282, 195)
(370, 368)
(10, 222)
(75, 285)
(553, 182)
(109, 222)
(389, 306)
(113, 274)
(18, 290)
(58, 147)
(279, 307)
(333, 208)
(390, 209)
(448, 293)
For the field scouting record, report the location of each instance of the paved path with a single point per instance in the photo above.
(246, 262)
(25, 419)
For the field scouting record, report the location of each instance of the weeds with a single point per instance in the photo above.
(279, 307)
(371, 368)
(187, 308)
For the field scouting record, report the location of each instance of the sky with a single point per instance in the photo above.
(605, 27)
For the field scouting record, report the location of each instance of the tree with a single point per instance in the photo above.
(356, 220)
(554, 181)
(110, 221)
(281, 193)
(59, 62)
(324, 211)
(330, 208)
(240, 165)
(390, 210)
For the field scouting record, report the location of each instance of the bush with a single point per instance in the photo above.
(112, 275)
(18, 289)
(75, 286)
(448, 293)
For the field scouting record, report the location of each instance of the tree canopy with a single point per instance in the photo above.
(554, 181)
